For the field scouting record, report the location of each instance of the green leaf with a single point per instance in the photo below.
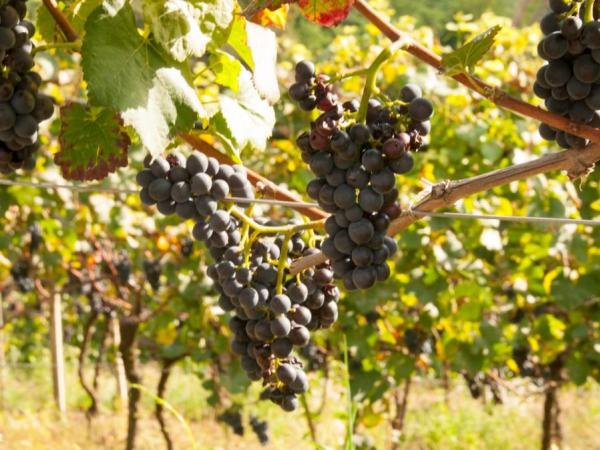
(466, 57)
(127, 73)
(171, 104)
(578, 369)
(245, 118)
(93, 142)
(227, 70)
(78, 12)
(263, 45)
(46, 25)
(187, 28)
(238, 40)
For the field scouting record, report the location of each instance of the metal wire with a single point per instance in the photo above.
(71, 187)
(296, 204)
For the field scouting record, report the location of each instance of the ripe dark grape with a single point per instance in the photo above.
(555, 45)
(305, 70)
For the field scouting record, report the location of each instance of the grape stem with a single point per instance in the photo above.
(588, 14)
(282, 262)
(371, 72)
(75, 45)
(283, 229)
(344, 76)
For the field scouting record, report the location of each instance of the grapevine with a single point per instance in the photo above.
(485, 303)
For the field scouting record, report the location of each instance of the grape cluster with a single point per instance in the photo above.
(315, 356)
(570, 83)
(36, 237)
(260, 428)
(187, 247)
(22, 106)
(355, 166)
(269, 318)
(233, 418)
(268, 321)
(152, 270)
(21, 274)
(123, 267)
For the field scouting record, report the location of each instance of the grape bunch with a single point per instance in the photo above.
(355, 166)
(187, 247)
(272, 311)
(232, 418)
(152, 270)
(21, 274)
(260, 428)
(315, 356)
(22, 106)
(36, 237)
(269, 322)
(569, 83)
(123, 267)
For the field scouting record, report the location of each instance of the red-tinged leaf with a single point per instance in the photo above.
(328, 13)
(93, 142)
(274, 19)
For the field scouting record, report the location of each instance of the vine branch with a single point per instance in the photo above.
(61, 20)
(497, 96)
(576, 162)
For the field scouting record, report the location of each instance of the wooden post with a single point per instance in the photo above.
(56, 347)
(119, 368)
(2, 356)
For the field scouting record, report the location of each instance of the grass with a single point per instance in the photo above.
(28, 420)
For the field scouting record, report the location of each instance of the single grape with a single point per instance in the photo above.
(558, 73)
(305, 70)
(555, 45)
(420, 109)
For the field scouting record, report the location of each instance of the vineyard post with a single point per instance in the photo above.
(119, 368)
(56, 347)
(2, 356)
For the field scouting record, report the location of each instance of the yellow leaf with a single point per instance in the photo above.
(549, 278)
(166, 336)
(163, 244)
(534, 344)
(275, 19)
(512, 365)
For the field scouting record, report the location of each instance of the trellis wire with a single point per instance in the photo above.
(294, 204)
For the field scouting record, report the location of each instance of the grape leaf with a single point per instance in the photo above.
(126, 72)
(465, 58)
(238, 40)
(78, 12)
(154, 120)
(227, 69)
(46, 25)
(263, 44)
(185, 28)
(256, 46)
(328, 12)
(244, 118)
(269, 18)
(93, 142)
